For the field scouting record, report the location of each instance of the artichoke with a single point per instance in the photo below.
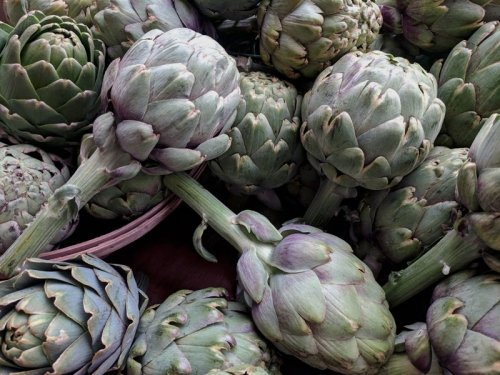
(122, 22)
(193, 333)
(407, 220)
(434, 26)
(308, 293)
(413, 354)
(469, 85)
(303, 37)
(232, 10)
(51, 69)
(369, 120)
(28, 177)
(75, 317)
(81, 11)
(240, 370)
(265, 149)
(463, 323)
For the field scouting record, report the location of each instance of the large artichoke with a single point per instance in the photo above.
(227, 9)
(308, 293)
(75, 317)
(463, 323)
(122, 22)
(28, 177)
(369, 120)
(303, 37)
(435, 26)
(193, 333)
(265, 149)
(51, 69)
(469, 85)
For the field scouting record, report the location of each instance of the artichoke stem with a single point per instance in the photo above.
(326, 203)
(211, 209)
(451, 254)
(61, 208)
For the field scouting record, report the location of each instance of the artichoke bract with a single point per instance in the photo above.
(194, 332)
(463, 323)
(265, 147)
(81, 11)
(28, 177)
(51, 69)
(76, 317)
(434, 26)
(303, 37)
(227, 9)
(240, 370)
(369, 120)
(122, 22)
(469, 85)
(172, 97)
(308, 293)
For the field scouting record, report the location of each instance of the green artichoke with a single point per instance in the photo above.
(463, 323)
(303, 37)
(469, 85)
(193, 333)
(75, 317)
(227, 9)
(413, 354)
(435, 26)
(82, 11)
(51, 69)
(265, 149)
(369, 120)
(28, 177)
(122, 22)
(407, 220)
(308, 293)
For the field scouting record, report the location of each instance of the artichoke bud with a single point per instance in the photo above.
(487, 227)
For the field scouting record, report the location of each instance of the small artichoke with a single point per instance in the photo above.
(434, 26)
(469, 85)
(122, 22)
(76, 317)
(265, 149)
(51, 69)
(193, 332)
(303, 37)
(462, 322)
(369, 120)
(227, 9)
(28, 177)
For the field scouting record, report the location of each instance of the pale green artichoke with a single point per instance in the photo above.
(407, 220)
(51, 69)
(193, 332)
(369, 120)
(413, 354)
(76, 317)
(309, 295)
(28, 177)
(122, 22)
(303, 37)
(81, 11)
(435, 26)
(227, 9)
(469, 85)
(265, 143)
(462, 322)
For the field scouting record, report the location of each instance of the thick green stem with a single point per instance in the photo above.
(88, 179)
(326, 203)
(451, 254)
(212, 210)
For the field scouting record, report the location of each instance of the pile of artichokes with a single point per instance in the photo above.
(353, 162)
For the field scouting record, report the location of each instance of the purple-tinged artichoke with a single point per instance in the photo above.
(76, 317)
(308, 293)
(369, 120)
(300, 38)
(463, 323)
(469, 85)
